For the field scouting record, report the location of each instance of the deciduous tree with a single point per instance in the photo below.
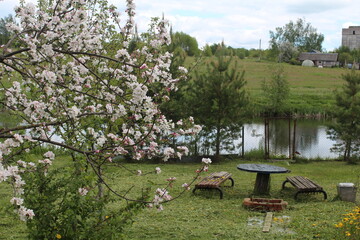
(300, 35)
(77, 93)
(276, 91)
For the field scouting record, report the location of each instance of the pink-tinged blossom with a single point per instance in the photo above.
(179, 155)
(13, 170)
(25, 214)
(83, 191)
(168, 152)
(153, 146)
(171, 179)
(49, 155)
(186, 186)
(73, 112)
(17, 201)
(191, 119)
(109, 108)
(31, 164)
(183, 70)
(183, 149)
(46, 161)
(101, 141)
(120, 150)
(22, 163)
(157, 170)
(4, 173)
(160, 207)
(206, 160)
(18, 138)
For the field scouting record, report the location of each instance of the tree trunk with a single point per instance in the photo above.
(347, 151)
(217, 141)
(100, 194)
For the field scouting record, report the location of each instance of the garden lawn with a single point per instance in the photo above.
(205, 216)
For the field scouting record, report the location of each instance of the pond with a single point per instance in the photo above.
(311, 139)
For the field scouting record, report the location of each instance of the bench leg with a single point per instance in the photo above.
(221, 192)
(232, 181)
(320, 191)
(325, 195)
(283, 184)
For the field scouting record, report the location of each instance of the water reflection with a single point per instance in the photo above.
(311, 140)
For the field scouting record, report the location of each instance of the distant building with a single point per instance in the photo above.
(320, 59)
(351, 37)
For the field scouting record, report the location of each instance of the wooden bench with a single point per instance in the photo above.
(304, 185)
(214, 181)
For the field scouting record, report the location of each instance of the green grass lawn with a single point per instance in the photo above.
(205, 216)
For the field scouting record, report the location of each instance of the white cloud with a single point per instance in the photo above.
(241, 23)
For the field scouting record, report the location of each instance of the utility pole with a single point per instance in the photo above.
(260, 50)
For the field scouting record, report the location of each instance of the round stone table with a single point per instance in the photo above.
(262, 183)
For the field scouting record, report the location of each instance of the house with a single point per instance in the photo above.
(320, 59)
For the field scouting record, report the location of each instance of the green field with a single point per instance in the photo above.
(311, 88)
(205, 216)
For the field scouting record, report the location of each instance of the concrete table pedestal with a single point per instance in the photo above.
(262, 183)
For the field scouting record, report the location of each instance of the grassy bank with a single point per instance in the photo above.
(205, 216)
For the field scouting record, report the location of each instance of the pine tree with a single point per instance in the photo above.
(218, 100)
(347, 115)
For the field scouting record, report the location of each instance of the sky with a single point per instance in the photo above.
(240, 23)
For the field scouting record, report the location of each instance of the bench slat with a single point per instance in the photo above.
(304, 185)
(213, 181)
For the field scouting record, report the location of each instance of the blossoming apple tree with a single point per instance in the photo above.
(68, 74)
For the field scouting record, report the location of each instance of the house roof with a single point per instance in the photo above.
(329, 57)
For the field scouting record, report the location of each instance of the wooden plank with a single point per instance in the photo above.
(267, 223)
(303, 183)
(213, 181)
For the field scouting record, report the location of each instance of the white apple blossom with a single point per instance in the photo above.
(50, 155)
(83, 191)
(25, 214)
(17, 201)
(206, 160)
